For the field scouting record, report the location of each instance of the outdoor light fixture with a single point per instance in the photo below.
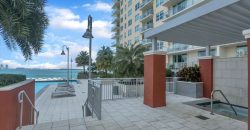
(88, 35)
(63, 53)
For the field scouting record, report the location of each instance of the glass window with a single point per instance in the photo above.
(129, 32)
(179, 7)
(121, 11)
(160, 15)
(130, 22)
(129, 2)
(129, 42)
(137, 17)
(137, 39)
(159, 2)
(180, 58)
(137, 28)
(201, 53)
(137, 6)
(130, 12)
(241, 51)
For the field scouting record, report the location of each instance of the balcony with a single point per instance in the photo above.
(116, 4)
(146, 27)
(146, 41)
(115, 28)
(147, 15)
(181, 48)
(169, 3)
(146, 4)
(116, 35)
(116, 12)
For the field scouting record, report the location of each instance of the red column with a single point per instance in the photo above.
(246, 33)
(154, 80)
(206, 71)
(248, 49)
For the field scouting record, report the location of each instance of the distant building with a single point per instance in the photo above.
(1, 66)
(6, 66)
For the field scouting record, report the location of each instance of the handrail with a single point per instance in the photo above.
(21, 95)
(224, 98)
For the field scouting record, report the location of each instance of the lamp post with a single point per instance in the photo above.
(71, 69)
(88, 35)
(63, 53)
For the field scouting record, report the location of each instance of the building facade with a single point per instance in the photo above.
(132, 18)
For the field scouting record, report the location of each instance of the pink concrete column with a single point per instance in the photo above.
(246, 33)
(154, 79)
(206, 71)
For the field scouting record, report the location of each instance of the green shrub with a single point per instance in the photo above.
(85, 75)
(190, 74)
(8, 79)
(169, 72)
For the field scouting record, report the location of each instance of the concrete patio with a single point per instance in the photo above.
(127, 114)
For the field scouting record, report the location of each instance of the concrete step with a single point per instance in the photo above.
(72, 124)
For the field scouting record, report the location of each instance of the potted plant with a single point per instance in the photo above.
(190, 84)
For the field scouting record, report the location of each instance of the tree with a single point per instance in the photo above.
(129, 60)
(82, 59)
(104, 59)
(22, 24)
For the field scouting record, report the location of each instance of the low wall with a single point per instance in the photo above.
(230, 76)
(10, 107)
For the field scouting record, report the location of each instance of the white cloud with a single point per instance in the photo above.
(99, 6)
(61, 18)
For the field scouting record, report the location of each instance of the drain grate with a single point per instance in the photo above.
(202, 117)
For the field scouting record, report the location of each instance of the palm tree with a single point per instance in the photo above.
(22, 24)
(82, 59)
(129, 60)
(104, 59)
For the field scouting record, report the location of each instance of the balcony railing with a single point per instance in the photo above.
(181, 48)
(146, 41)
(145, 2)
(147, 13)
(146, 27)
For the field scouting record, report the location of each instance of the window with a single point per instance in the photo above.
(125, 35)
(137, 39)
(121, 11)
(137, 6)
(129, 2)
(203, 53)
(129, 42)
(159, 2)
(130, 22)
(179, 58)
(121, 28)
(137, 17)
(129, 32)
(137, 28)
(130, 12)
(160, 15)
(241, 51)
(179, 7)
(125, 25)
(159, 45)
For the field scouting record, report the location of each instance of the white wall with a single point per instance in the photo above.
(230, 76)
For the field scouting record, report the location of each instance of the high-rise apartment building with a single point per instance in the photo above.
(132, 18)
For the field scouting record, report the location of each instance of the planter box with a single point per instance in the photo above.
(189, 89)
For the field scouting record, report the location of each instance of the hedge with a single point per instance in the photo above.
(7, 79)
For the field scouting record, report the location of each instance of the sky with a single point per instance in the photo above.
(67, 24)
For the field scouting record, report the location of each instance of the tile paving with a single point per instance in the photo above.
(129, 114)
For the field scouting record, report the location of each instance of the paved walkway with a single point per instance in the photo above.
(58, 109)
(129, 114)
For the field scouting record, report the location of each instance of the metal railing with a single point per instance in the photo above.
(171, 84)
(145, 2)
(21, 96)
(147, 13)
(214, 91)
(119, 88)
(93, 104)
(146, 27)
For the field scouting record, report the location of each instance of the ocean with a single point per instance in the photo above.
(42, 73)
